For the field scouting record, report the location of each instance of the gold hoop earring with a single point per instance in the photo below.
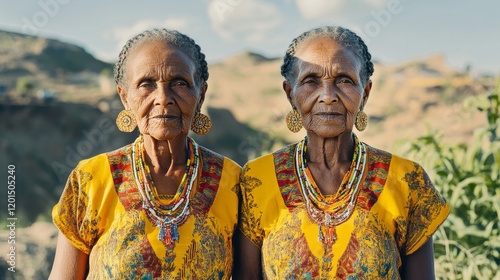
(294, 121)
(361, 120)
(125, 121)
(201, 124)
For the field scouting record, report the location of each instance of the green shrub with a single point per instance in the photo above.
(467, 245)
(25, 84)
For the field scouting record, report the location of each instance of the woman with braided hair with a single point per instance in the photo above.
(162, 207)
(331, 206)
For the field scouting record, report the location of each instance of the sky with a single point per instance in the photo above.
(466, 32)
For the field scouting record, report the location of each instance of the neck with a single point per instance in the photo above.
(165, 156)
(329, 152)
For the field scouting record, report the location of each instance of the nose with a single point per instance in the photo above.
(328, 94)
(164, 96)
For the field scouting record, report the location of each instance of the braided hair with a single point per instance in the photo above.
(345, 37)
(172, 37)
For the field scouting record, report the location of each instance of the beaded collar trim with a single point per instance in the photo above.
(328, 213)
(166, 216)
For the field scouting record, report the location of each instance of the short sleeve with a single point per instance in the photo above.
(427, 209)
(73, 215)
(249, 221)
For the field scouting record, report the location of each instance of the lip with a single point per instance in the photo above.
(165, 117)
(327, 114)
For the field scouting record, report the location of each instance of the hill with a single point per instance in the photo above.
(26, 54)
(29, 63)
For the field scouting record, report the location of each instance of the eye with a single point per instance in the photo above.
(180, 83)
(310, 80)
(147, 84)
(345, 80)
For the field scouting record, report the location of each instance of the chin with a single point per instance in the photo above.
(161, 138)
(165, 136)
(327, 132)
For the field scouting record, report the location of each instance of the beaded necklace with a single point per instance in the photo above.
(328, 213)
(167, 217)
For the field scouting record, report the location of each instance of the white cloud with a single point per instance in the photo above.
(249, 20)
(314, 9)
(338, 10)
(120, 35)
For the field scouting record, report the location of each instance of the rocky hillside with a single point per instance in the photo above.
(58, 106)
(29, 65)
(29, 55)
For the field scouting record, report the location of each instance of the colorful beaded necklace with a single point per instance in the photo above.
(328, 213)
(167, 217)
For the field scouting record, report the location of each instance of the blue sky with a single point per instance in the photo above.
(467, 32)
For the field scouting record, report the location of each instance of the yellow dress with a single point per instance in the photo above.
(100, 212)
(397, 210)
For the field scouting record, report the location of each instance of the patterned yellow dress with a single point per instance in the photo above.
(397, 209)
(101, 213)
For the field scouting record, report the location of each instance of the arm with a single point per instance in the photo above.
(420, 264)
(247, 258)
(69, 262)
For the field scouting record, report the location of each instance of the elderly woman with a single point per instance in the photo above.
(331, 206)
(163, 206)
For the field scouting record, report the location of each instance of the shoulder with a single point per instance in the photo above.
(219, 173)
(266, 169)
(402, 165)
(405, 162)
(402, 173)
(99, 159)
(93, 163)
(282, 155)
(120, 153)
(215, 158)
(395, 162)
(378, 157)
(98, 169)
(395, 172)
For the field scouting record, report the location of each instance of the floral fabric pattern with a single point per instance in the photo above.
(397, 211)
(100, 213)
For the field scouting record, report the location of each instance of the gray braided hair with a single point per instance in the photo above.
(172, 37)
(345, 37)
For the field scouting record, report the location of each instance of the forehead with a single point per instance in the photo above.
(159, 53)
(324, 52)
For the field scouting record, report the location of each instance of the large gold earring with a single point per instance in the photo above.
(126, 121)
(294, 121)
(201, 124)
(361, 120)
